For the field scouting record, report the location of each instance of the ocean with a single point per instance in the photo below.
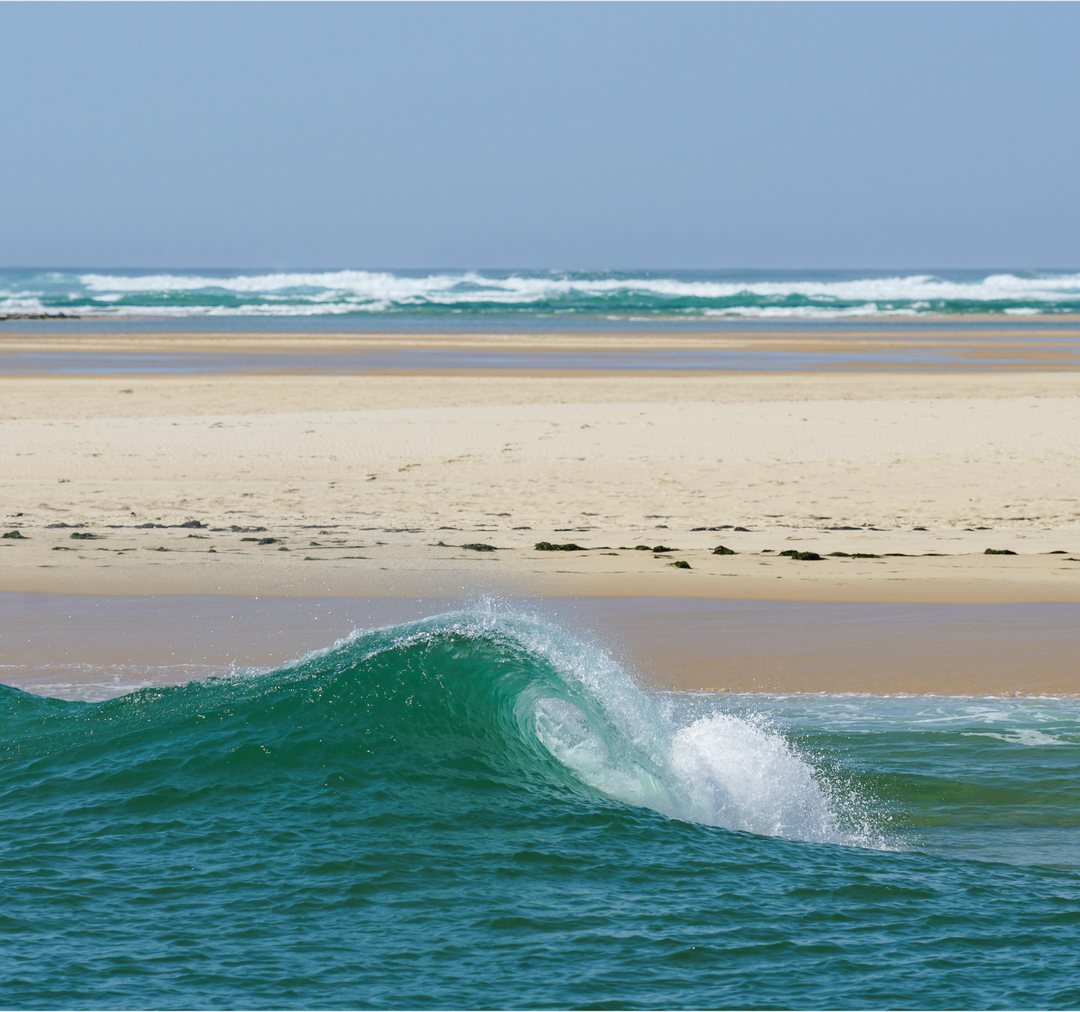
(371, 299)
(479, 809)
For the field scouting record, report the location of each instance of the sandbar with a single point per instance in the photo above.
(914, 488)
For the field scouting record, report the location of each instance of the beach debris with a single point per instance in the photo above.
(15, 536)
(722, 527)
(802, 556)
(663, 548)
(998, 551)
(54, 527)
(724, 550)
(187, 524)
(39, 316)
(851, 555)
(547, 546)
(480, 547)
(84, 536)
(745, 530)
(680, 564)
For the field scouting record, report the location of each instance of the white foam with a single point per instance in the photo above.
(96, 682)
(809, 312)
(1021, 736)
(23, 304)
(716, 769)
(720, 770)
(318, 293)
(470, 286)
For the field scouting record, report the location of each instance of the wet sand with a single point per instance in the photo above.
(921, 347)
(438, 484)
(97, 646)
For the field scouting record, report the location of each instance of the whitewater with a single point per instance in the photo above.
(550, 294)
(478, 810)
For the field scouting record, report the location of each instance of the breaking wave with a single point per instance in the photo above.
(696, 295)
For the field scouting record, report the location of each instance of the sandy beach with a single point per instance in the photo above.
(441, 485)
(537, 506)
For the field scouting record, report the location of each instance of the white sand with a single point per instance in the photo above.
(598, 460)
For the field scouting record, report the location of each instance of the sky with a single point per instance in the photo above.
(540, 135)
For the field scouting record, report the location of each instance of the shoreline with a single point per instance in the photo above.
(939, 331)
(413, 572)
(355, 491)
(671, 325)
(919, 350)
(96, 646)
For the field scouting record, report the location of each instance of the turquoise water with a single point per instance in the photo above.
(565, 298)
(478, 811)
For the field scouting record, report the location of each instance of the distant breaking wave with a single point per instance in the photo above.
(616, 295)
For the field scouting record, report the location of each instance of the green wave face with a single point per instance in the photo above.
(476, 810)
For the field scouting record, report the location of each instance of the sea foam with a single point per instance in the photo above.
(681, 295)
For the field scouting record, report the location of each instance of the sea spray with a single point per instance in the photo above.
(720, 770)
(477, 810)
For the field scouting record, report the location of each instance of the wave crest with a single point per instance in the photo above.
(685, 296)
(454, 702)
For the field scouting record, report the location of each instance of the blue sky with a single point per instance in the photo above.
(575, 135)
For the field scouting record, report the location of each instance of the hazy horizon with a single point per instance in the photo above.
(586, 136)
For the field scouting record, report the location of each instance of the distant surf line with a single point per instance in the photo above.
(617, 296)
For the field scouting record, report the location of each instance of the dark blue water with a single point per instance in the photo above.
(477, 811)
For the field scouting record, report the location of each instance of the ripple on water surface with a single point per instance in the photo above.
(475, 810)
